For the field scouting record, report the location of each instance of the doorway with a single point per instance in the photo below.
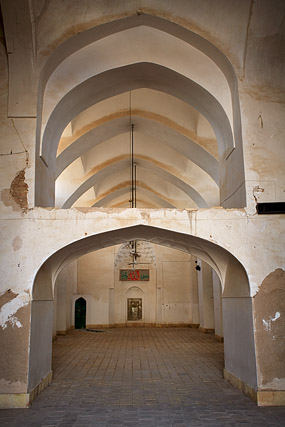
(134, 309)
(80, 313)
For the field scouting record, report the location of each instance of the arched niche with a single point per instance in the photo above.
(134, 304)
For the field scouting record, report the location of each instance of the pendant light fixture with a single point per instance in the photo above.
(133, 190)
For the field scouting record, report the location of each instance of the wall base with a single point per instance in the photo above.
(136, 324)
(245, 388)
(154, 325)
(23, 400)
(271, 398)
(14, 400)
(261, 397)
(219, 338)
(207, 330)
(100, 326)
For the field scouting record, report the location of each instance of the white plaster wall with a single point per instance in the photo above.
(54, 315)
(206, 298)
(218, 307)
(95, 277)
(167, 296)
(239, 339)
(65, 287)
(70, 291)
(176, 307)
(174, 303)
(61, 306)
(40, 342)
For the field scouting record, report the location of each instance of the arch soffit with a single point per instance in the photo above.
(141, 203)
(146, 164)
(148, 126)
(146, 195)
(219, 258)
(140, 44)
(144, 103)
(160, 166)
(125, 189)
(117, 81)
(80, 298)
(88, 36)
(133, 288)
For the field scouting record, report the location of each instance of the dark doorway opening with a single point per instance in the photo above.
(134, 309)
(80, 313)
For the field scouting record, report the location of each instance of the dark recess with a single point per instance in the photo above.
(270, 208)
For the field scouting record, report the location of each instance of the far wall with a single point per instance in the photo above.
(169, 298)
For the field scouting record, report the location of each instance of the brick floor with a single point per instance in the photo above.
(140, 377)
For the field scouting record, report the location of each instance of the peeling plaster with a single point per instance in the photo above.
(17, 243)
(8, 310)
(19, 190)
(267, 325)
(276, 383)
(16, 195)
(269, 308)
(8, 200)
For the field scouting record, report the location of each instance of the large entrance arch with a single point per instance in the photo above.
(237, 304)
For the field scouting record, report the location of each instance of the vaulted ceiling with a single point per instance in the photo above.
(170, 140)
(172, 91)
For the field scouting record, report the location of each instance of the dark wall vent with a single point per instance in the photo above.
(270, 208)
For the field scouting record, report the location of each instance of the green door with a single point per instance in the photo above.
(80, 313)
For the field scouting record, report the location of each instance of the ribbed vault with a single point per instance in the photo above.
(181, 101)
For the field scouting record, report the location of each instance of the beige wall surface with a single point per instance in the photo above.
(168, 271)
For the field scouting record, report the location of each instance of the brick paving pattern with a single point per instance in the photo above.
(140, 377)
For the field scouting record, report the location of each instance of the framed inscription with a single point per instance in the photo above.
(132, 275)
